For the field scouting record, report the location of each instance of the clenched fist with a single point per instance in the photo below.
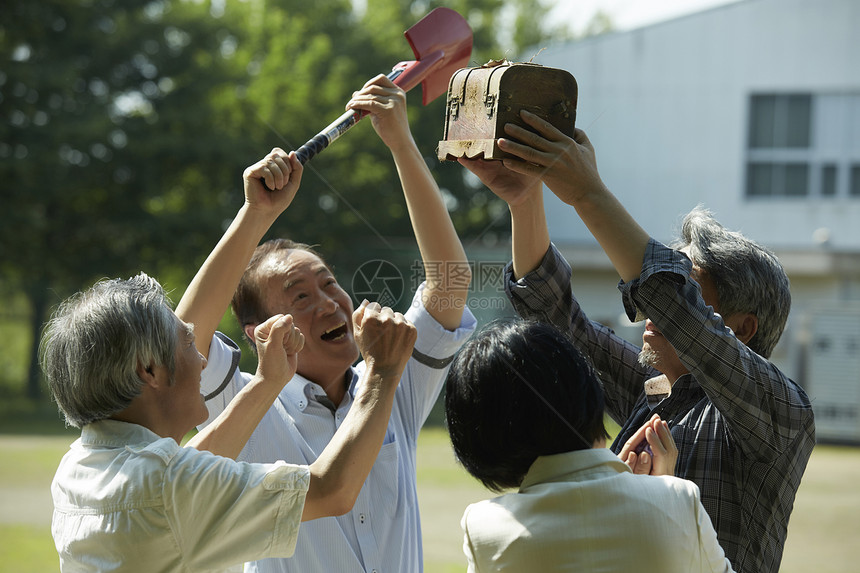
(384, 337)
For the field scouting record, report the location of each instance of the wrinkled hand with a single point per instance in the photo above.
(510, 186)
(278, 343)
(385, 339)
(386, 104)
(567, 166)
(282, 174)
(663, 455)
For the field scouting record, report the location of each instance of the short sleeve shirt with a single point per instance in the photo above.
(383, 531)
(126, 499)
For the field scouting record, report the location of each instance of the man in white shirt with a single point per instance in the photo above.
(382, 532)
(126, 370)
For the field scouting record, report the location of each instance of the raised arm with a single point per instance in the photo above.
(209, 293)
(385, 339)
(445, 265)
(278, 342)
(569, 168)
(524, 195)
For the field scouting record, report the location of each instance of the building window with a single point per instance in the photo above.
(803, 146)
(855, 180)
(780, 121)
(828, 180)
(787, 179)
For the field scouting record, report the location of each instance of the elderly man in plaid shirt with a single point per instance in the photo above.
(715, 309)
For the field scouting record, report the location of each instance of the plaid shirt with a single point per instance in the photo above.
(744, 430)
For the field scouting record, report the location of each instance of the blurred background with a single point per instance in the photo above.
(126, 125)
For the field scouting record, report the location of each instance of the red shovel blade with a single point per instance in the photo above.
(442, 44)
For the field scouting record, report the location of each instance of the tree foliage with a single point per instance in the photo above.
(108, 145)
(127, 124)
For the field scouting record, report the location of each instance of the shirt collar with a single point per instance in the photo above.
(300, 391)
(578, 465)
(113, 433)
(684, 386)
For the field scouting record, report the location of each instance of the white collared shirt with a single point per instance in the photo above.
(382, 533)
(126, 499)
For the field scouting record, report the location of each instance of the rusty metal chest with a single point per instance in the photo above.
(482, 100)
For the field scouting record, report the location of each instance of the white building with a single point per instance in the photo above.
(753, 110)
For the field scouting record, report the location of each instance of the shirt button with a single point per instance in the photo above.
(361, 518)
(301, 403)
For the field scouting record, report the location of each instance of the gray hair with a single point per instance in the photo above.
(747, 277)
(93, 344)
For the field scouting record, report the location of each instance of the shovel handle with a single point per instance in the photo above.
(337, 128)
(324, 138)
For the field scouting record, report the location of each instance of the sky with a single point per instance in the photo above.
(627, 14)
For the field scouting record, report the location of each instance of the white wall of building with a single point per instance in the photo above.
(666, 108)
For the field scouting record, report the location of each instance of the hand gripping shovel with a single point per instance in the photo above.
(442, 44)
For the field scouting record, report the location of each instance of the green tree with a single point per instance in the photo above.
(307, 61)
(108, 146)
(127, 124)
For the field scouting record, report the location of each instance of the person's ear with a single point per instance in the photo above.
(744, 325)
(249, 332)
(147, 374)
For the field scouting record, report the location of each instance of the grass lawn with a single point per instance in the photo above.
(27, 549)
(28, 466)
(823, 528)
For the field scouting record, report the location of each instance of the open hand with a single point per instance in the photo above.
(511, 186)
(567, 165)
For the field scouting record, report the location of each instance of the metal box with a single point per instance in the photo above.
(482, 100)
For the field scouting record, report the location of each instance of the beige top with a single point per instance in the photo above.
(586, 511)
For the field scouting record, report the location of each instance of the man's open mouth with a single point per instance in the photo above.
(335, 333)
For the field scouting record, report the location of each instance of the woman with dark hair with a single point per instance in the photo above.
(715, 305)
(525, 411)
